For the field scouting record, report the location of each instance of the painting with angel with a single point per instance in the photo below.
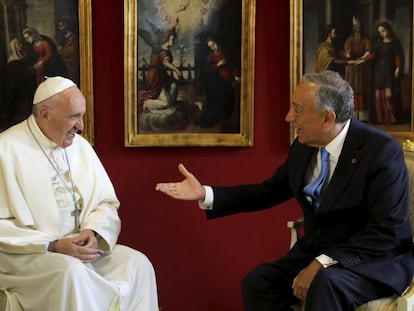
(189, 64)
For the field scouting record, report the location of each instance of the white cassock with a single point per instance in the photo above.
(35, 209)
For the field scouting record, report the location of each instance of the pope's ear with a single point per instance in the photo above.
(44, 112)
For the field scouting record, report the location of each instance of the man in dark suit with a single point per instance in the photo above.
(357, 244)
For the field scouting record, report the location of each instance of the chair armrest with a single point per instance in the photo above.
(406, 301)
(295, 226)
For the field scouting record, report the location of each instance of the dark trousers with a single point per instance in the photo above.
(268, 287)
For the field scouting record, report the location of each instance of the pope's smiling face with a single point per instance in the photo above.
(62, 116)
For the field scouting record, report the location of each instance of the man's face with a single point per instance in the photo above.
(382, 32)
(62, 26)
(64, 117)
(356, 24)
(212, 45)
(18, 46)
(333, 34)
(305, 118)
(28, 37)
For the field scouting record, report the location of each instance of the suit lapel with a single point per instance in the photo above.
(348, 162)
(299, 163)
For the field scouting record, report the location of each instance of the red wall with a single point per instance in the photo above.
(199, 263)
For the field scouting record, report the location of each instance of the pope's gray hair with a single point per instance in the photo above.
(333, 94)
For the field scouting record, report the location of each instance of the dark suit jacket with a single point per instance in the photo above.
(363, 218)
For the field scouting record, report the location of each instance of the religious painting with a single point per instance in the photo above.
(41, 38)
(189, 72)
(369, 43)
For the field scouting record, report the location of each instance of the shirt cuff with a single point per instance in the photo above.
(207, 204)
(326, 261)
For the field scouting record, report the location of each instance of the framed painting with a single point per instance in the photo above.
(44, 38)
(370, 44)
(189, 72)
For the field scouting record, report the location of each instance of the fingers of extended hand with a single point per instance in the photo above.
(183, 170)
(163, 187)
(172, 188)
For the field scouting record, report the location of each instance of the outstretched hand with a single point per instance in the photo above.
(188, 189)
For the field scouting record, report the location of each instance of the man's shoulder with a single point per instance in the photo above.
(368, 131)
(14, 134)
(372, 139)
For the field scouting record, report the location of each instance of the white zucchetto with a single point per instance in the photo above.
(51, 86)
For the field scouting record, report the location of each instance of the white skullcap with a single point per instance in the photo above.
(50, 87)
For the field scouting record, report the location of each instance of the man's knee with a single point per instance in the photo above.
(252, 281)
(265, 288)
(265, 278)
(124, 253)
(65, 267)
(136, 262)
(143, 263)
(57, 261)
(327, 282)
(326, 278)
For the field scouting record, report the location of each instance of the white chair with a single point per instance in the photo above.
(392, 303)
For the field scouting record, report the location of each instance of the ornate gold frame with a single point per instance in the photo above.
(296, 64)
(86, 65)
(135, 139)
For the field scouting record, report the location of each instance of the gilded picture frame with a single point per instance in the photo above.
(178, 114)
(62, 27)
(312, 22)
(86, 66)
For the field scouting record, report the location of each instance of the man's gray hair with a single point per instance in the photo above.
(334, 94)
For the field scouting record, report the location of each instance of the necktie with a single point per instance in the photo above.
(314, 188)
